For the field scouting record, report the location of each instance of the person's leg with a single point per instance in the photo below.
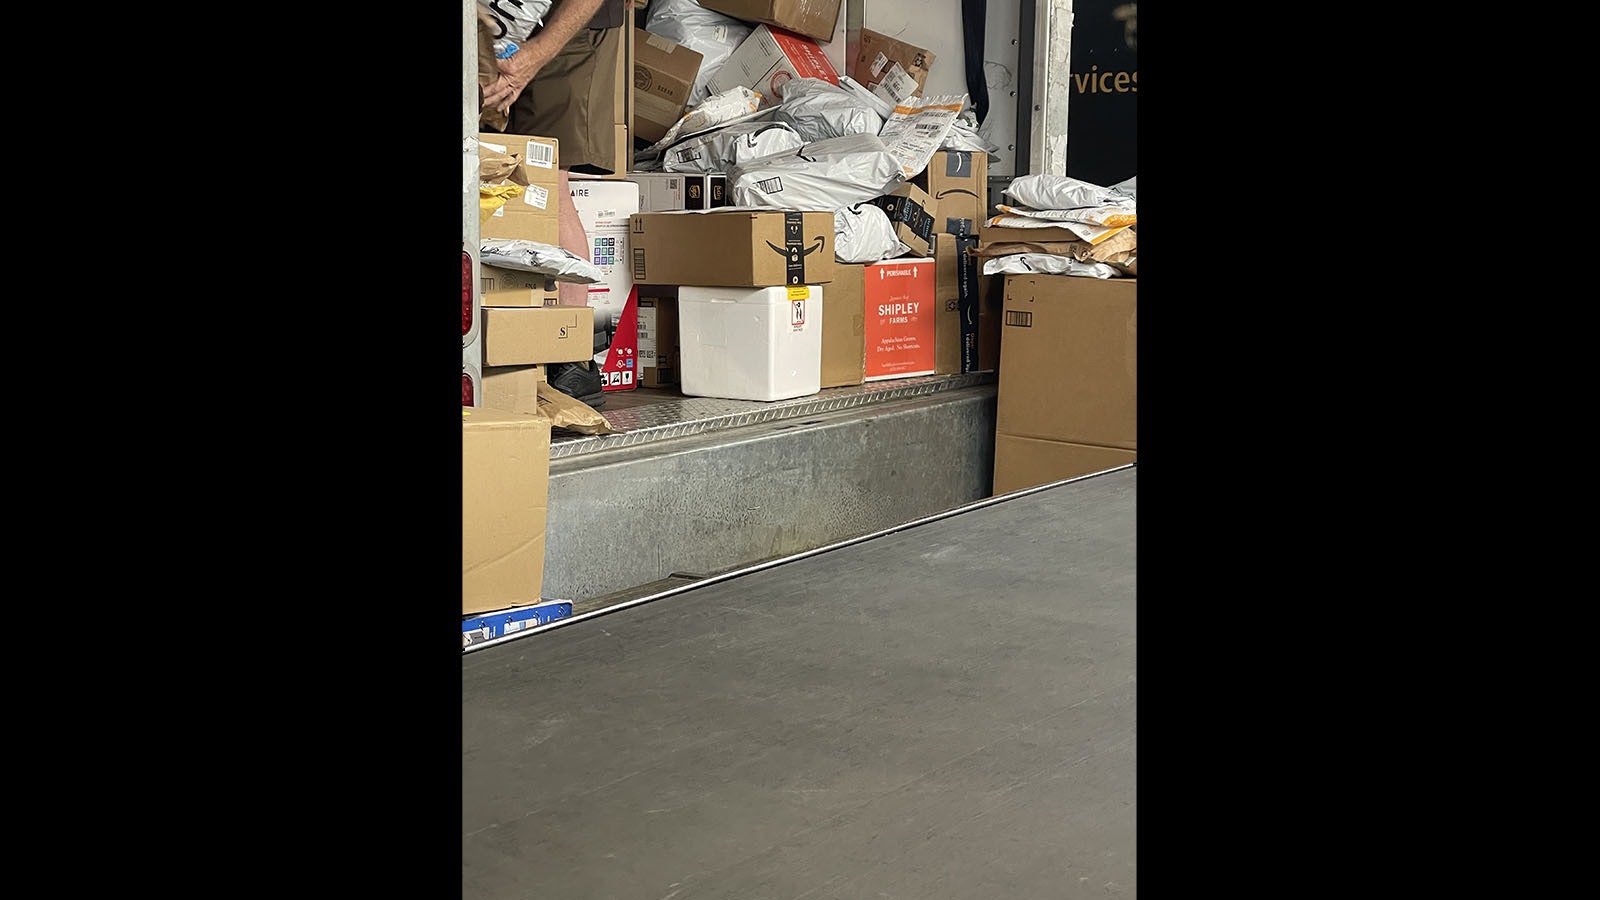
(556, 104)
(573, 100)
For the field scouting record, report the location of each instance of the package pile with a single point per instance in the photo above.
(1058, 225)
(801, 224)
(770, 123)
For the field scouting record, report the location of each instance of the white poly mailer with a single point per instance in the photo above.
(727, 108)
(863, 234)
(532, 256)
(917, 129)
(724, 149)
(514, 21)
(1065, 192)
(1047, 264)
(827, 174)
(818, 110)
(964, 136)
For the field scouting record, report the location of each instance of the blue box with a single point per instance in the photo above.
(500, 623)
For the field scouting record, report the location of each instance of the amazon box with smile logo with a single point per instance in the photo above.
(731, 248)
(958, 182)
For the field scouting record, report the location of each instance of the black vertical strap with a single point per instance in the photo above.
(967, 300)
(1022, 160)
(973, 14)
(793, 248)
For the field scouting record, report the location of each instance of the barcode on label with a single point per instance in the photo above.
(541, 155)
(638, 264)
(688, 154)
(926, 128)
(772, 185)
(1020, 318)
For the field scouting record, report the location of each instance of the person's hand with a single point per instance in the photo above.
(516, 73)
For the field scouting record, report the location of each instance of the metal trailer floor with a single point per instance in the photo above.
(943, 711)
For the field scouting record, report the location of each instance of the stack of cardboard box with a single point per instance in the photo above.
(505, 481)
(522, 328)
(750, 291)
(1068, 362)
(1069, 385)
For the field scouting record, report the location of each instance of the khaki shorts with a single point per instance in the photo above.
(573, 100)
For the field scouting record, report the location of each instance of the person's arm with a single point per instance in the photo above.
(567, 18)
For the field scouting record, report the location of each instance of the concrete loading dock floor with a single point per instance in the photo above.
(944, 711)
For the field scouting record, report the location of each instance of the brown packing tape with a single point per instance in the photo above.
(570, 413)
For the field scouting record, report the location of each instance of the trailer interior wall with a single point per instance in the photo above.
(935, 25)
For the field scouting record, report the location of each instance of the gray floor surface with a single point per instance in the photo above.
(943, 712)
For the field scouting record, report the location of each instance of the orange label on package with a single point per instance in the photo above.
(899, 318)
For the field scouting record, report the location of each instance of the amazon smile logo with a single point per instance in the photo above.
(795, 254)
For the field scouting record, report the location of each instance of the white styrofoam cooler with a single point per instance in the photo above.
(737, 343)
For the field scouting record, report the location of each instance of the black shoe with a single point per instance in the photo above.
(578, 380)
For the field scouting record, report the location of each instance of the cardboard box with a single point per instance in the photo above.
(522, 298)
(622, 104)
(498, 624)
(844, 335)
(497, 278)
(663, 78)
(768, 58)
(516, 287)
(900, 318)
(912, 213)
(516, 223)
(812, 18)
(672, 191)
(947, 306)
(1069, 354)
(513, 388)
(1021, 462)
(658, 338)
(605, 206)
(621, 151)
(534, 216)
(894, 70)
(733, 248)
(958, 180)
(991, 300)
(541, 156)
(741, 343)
(536, 335)
(958, 298)
(505, 486)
